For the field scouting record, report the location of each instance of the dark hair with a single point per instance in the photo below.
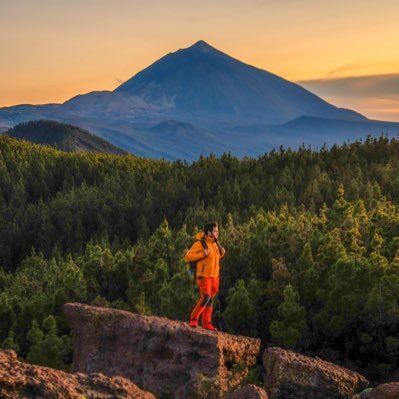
(209, 227)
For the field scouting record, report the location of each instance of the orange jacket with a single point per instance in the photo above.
(206, 266)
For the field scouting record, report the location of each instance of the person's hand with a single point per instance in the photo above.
(223, 251)
(206, 252)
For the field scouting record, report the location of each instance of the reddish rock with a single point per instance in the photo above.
(27, 381)
(249, 391)
(163, 356)
(291, 375)
(385, 391)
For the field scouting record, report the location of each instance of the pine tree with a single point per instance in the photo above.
(47, 349)
(240, 314)
(288, 331)
(9, 342)
(141, 306)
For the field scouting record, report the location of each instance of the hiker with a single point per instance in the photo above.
(206, 252)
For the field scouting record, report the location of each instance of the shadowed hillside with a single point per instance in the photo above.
(62, 136)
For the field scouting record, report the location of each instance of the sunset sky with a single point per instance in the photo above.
(347, 51)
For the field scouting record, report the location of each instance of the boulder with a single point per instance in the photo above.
(162, 356)
(249, 391)
(385, 391)
(26, 381)
(291, 375)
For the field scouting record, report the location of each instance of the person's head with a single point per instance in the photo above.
(211, 229)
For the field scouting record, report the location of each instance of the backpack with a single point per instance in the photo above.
(193, 264)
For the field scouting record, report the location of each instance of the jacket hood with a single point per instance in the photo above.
(199, 235)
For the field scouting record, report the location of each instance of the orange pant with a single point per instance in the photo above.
(208, 287)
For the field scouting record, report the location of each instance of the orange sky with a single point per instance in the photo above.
(52, 50)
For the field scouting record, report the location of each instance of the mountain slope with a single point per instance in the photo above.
(62, 136)
(203, 81)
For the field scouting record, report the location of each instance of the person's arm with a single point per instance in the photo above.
(196, 252)
(223, 252)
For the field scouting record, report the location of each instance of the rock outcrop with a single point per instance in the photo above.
(385, 391)
(26, 381)
(163, 356)
(291, 375)
(249, 391)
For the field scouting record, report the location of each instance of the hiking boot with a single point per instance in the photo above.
(193, 323)
(209, 326)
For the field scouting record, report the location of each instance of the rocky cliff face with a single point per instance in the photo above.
(26, 381)
(165, 357)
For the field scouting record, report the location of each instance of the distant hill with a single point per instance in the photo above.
(62, 136)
